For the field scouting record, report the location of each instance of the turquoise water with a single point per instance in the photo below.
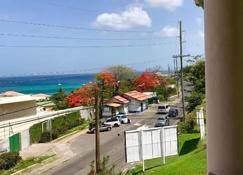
(44, 84)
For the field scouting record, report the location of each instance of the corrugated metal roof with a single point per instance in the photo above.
(115, 105)
(136, 95)
(121, 99)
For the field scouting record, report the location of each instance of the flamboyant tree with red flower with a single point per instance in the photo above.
(85, 95)
(107, 78)
(148, 81)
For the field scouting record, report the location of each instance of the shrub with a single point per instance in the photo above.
(59, 126)
(48, 136)
(9, 160)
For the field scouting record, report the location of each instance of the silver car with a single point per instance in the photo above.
(162, 121)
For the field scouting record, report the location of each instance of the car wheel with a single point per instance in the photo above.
(108, 129)
(116, 125)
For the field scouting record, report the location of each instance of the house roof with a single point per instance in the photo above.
(10, 94)
(17, 99)
(115, 105)
(40, 96)
(136, 95)
(120, 99)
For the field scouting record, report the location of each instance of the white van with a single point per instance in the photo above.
(163, 109)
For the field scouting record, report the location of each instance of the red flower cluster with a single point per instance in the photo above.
(108, 79)
(148, 81)
(83, 96)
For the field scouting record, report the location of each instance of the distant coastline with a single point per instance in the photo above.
(48, 84)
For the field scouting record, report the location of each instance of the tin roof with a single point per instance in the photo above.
(115, 105)
(136, 95)
(120, 99)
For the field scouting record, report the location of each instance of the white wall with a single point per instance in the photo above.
(29, 106)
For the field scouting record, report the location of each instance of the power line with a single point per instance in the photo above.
(78, 47)
(74, 38)
(72, 27)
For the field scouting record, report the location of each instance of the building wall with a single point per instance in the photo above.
(24, 109)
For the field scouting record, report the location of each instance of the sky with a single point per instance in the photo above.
(71, 36)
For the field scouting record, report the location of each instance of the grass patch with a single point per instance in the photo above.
(192, 159)
(24, 164)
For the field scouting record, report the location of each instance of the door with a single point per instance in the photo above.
(14, 143)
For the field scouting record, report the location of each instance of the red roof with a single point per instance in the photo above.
(120, 99)
(136, 95)
(115, 105)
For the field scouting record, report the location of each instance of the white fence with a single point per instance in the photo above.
(151, 143)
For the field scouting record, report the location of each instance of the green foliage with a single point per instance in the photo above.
(47, 136)
(196, 75)
(60, 99)
(189, 124)
(9, 160)
(125, 86)
(194, 100)
(164, 92)
(105, 169)
(199, 3)
(121, 72)
(59, 126)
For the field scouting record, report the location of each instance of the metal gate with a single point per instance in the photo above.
(14, 142)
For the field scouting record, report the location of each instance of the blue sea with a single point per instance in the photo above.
(48, 84)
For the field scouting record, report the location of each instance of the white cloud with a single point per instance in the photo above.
(170, 5)
(168, 32)
(131, 17)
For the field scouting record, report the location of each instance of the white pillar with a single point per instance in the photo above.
(224, 85)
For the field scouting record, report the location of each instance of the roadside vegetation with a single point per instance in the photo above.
(41, 132)
(11, 162)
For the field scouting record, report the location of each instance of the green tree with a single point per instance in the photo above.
(199, 3)
(121, 72)
(59, 99)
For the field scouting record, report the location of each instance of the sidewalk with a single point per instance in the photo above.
(60, 148)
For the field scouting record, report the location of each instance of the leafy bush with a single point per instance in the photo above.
(59, 126)
(189, 125)
(9, 160)
(48, 136)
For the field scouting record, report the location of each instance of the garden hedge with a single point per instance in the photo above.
(59, 126)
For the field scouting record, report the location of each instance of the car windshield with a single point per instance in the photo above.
(161, 107)
(161, 118)
(124, 116)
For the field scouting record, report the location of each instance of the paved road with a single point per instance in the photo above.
(112, 144)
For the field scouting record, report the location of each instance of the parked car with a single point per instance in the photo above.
(162, 121)
(163, 109)
(103, 127)
(173, 112)
(113, 121)
(123, 118)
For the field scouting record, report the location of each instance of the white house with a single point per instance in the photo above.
(17, 106)
(115, 106)
(138, 101)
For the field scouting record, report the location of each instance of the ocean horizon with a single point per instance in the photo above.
(48, 84)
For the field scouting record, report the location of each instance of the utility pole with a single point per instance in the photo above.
(181, 56)
(97, 131)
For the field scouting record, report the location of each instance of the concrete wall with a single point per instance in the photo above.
(135, 106)
(24, 109)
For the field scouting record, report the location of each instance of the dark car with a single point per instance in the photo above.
(173, 112)
(103, 127)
